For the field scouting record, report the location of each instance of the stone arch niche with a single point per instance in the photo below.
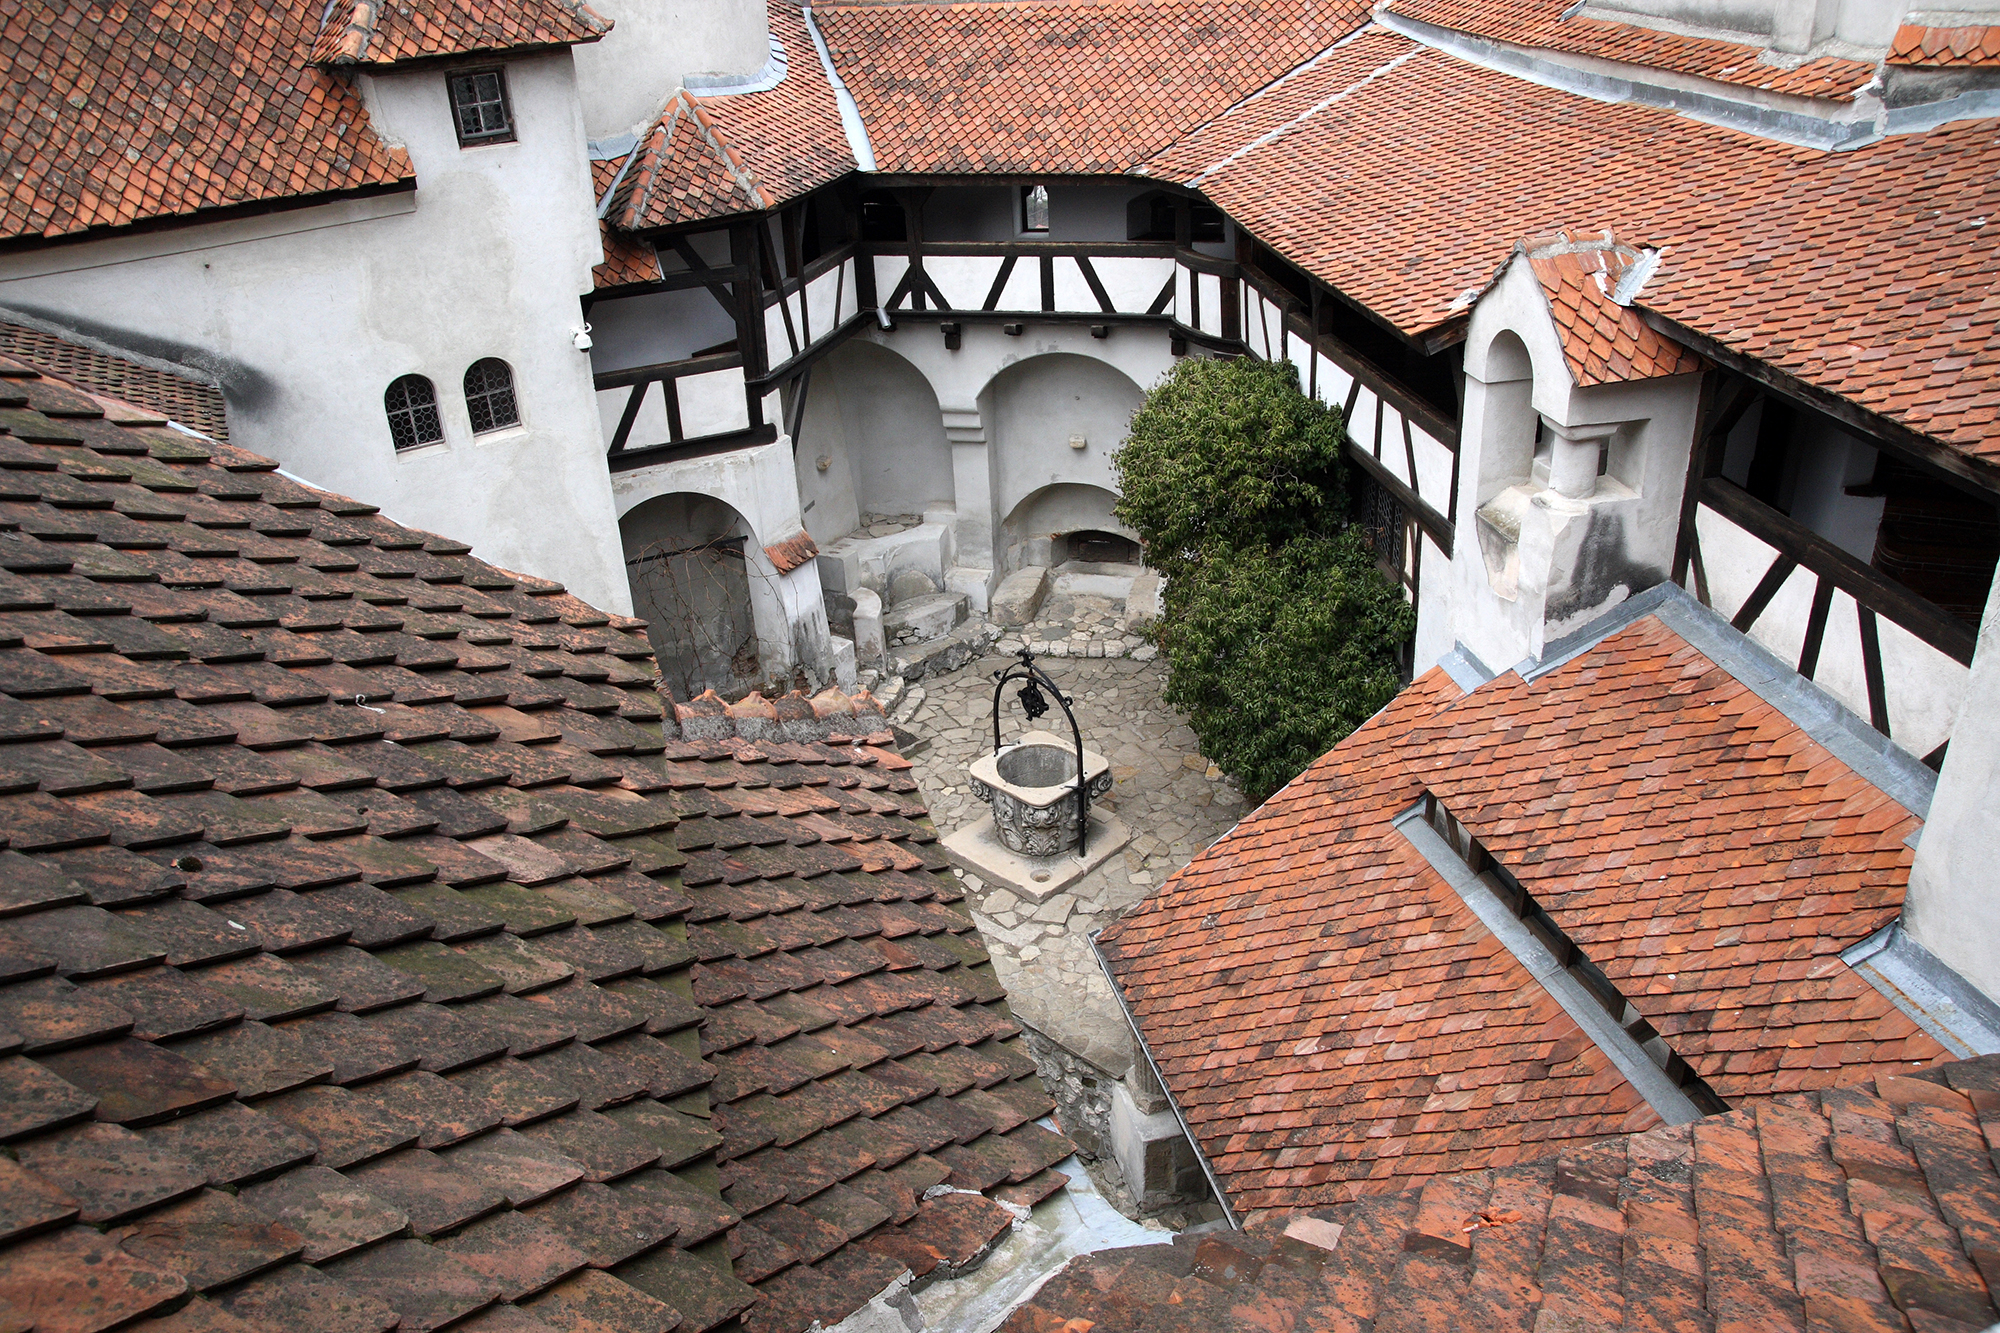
(1056, 422)
(690, 560)
(1062, 522)
(1508, 422)
(873, 419)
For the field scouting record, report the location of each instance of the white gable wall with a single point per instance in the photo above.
(306, 316)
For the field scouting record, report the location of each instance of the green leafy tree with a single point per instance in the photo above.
(1225, 455)
(1280, 633)
(1277, 653)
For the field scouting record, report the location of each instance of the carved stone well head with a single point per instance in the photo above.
(1031, 786)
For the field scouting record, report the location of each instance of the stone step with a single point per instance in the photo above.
(921, 619)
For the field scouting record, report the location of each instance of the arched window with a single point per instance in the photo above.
(412, 405)
(489, 395)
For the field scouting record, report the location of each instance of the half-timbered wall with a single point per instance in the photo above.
(1801, 583)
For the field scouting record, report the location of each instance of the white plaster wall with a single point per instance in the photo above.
(960, 381)
(1923, 686)
(628, 76)
(1433, 607)
(659, 326)
(1038, 404)
(1953, 906)
(894, 434)
(827, 500)
(1570, 569)
(1831, 460)
(1066, 507)
(1792, 25)
(306, 316)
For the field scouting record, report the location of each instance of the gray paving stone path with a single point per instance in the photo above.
(1175, 802)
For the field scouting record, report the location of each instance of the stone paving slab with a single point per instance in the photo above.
(1174, 801)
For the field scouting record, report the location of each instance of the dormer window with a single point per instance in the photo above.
(1034, 208)
(479, 107)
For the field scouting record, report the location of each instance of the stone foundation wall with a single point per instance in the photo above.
(1131, 1144)
(1081, 1090)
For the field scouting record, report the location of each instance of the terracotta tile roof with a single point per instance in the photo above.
(792, 552)
(1310, 986)
(789, 137)
(712, 156)
(686, 172)
(1705, 853)
(192, 403)
(1866, 272)
(628, 260)
(1603, 342)
(378, 945)
(1872, 1206)
(1330, 1016)
(1060, 87)
(1553, 25)
(1945, 47)
(125, 112)
(382, 32)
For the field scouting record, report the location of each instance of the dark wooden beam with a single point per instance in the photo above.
(1437, 525)
(667, 370)
(1874, 591)
(1956, 466)
(698, 447)
(1760, 596)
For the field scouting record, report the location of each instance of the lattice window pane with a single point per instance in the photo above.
(479, 101)
(489, 396)
(411, 403)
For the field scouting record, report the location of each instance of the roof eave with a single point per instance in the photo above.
(1935, 452)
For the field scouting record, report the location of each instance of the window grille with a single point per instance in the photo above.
(411, 403)
(489, 396)
(1034, 208)
(479, 106)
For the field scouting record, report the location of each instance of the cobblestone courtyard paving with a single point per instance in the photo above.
(1173, 800)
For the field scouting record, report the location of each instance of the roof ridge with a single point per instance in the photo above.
(1304, 67)
(356, 35)
(746, 179)
(1280, 131)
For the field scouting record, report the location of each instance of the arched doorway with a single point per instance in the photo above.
(687, 558)
(1064, 522)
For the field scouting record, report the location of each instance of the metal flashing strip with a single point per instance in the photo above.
(1941, 1002)
(850, 114)
(615, 145)
(1795, 121)
(1173, 1102)
(1632, 1059)
(1888, 767)
(1466, 671)
(776, 65)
